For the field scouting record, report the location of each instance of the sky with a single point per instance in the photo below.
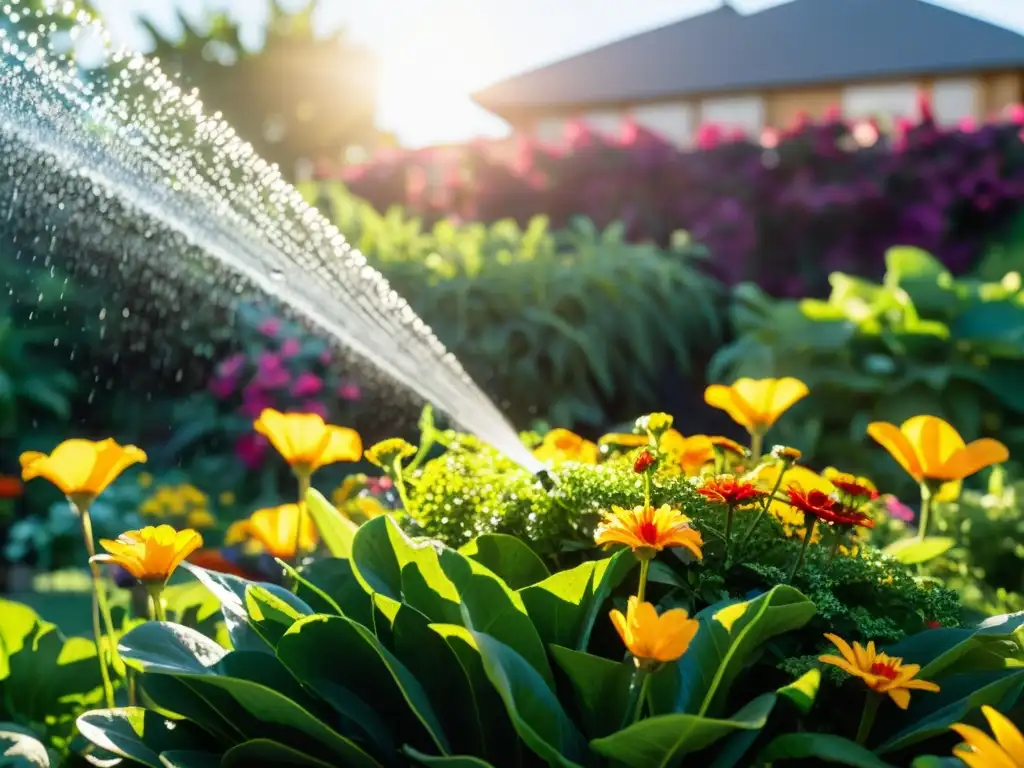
(434, 53)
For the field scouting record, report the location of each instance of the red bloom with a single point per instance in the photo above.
(826, 508)
(214, 560)
(726, 489)
(932, 624)
(856, 489)
(10, 487)
(644, 461)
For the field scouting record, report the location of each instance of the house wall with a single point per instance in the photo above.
(954, 97)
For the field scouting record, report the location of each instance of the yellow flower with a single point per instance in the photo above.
(655, 423)
(726, 445)
(385, 453)
(756, 404)
(150, 554)
(879, 671)
(200, 518)
(654, 639)
(226, 499)
(349, 487)
(623, 440)
(81, 469)
(980, 750)
(144, 480)
(646, 530)
(275, 529)
(929, 448)
(695, 452)
(236, 533)
(306, 442)
(562, 445)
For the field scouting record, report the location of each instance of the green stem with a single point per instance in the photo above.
(641, 590)
(867, 718)
(426, 443)
(926, 511)
(304, 477)
(156, 602)
(767, 502)
(647, 490)
(728, 533)
(803, 547)
(99, 604)
(637, 693)
(132, 697)
(837, 540)
(756, 439)
(400, 486)
(644, 685)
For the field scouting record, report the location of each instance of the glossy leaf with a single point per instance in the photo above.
(336, 530)
(265, 753)
(822, 747)
(662, 740)
(601, 688)
(452, 761)
(803, 691)
(332, 587)
(138, 734)
(270, 615)
(509, 558)
(914, 551)
(20, 748)
(189, 759)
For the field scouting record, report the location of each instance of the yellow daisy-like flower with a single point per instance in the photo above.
(385, 453)
(152, 553)
(756, 404)
(81, 469)
(647, 530)
(563, 445)
(200, 518)
(879, 671)
(306, 442)
(655, 423)
(1004, 749)
(654, 639)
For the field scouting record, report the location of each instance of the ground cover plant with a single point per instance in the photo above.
(651, 599)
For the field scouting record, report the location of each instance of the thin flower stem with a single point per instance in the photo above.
(766, 502)
(803, 548)
(728, 533)
(400, 486)
(427, 442)
(99, 604)
(926, 511)
(642, 698)
(130, 674)
(647, 490)
(837, 541)
(641, 590)
(635, 697)
(303, 476)
(867, 717)
(756, 441)
(156, 602)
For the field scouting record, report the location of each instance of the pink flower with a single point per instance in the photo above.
(325, 357)
(898, 509)
(307, 385)
(255, 400)
(223, 387)
(271, 372)
(349, 392)
(269, 362)
(290, 348)
(314, 406)
(270, 326)
(231, 366)
(251, 450)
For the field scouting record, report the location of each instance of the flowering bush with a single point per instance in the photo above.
(648, 598)
(784, 211)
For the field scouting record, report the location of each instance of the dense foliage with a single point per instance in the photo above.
(784, 212)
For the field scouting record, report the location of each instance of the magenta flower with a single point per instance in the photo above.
(269, 362)
(272, 374)
(251, 450)
(349, 392)
(314, 406)
(898, 509)
(270, 326)
(231, 366)
(307, 385)
(290, 348)
(255, 400)
(223, 387)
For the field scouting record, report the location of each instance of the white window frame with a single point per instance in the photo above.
(956, 98)
(673, 121)
(745, 112)
(881, 100)
(607, 122)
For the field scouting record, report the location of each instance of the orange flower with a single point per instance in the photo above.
(879, 671)
(929, 448)
(275, 529)
(10, 487)
(828, 509)
(727, 445)
(756, 404)
(623, 440)
(306, 442)
(726, 489)
(562, 445)
(695, 452)
(654, 639)
(81, 469)
(646, 530)
(150, 554)
(979, 750)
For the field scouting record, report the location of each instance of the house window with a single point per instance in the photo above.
(673, 122)
(954, 99)
(745, 112)
(885, 100)
(606, 123)
(550, 130)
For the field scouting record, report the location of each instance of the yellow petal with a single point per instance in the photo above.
(843, 647)
(900, 697)
(727, 399)
(782, 395)
(1005, 733)
(973, 759)
(843, 664)
(896, 443)
(934, 441)
(984, 745)
(972, 458)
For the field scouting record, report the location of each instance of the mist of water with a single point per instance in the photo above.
(119, 176)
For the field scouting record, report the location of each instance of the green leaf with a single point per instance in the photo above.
(269, 614)
(508, 557)
(452, 761)
(177, 758)
(19, 748)
(565, 605)
(823, 747)
(601, 687)
(336, 530)
(332, 587)
(662, 740)
(960, 695)
(729, 635)
(170, 649)
(369, 670)
(174, 698)
(265, 753)
(803, 691)
(139, 734)
(902, 261)
(914, 551)
(17, 622)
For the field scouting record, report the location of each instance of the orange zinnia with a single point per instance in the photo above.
(152, 553)
(879, 671)
(726, 489)
(81, 469)
(654, 639)
(563, 445)
(306, 442)
(647, 530)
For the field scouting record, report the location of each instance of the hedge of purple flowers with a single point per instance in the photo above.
(784, 210)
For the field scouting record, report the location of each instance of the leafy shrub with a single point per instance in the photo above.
(817, 198)
(921, 341)
(572, 326)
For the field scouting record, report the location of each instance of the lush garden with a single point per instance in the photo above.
(817, 560)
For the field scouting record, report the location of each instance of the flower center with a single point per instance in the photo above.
(648, 532)
(884, 669)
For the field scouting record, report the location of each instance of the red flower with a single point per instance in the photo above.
(10, 487)
(726, 489)
(826, 508)
(644, 461)
(933, 624)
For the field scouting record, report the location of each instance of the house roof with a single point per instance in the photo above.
(801, 42)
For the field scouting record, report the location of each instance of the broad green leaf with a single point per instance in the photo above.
(565, 605)
(369, 670)
(17, 622)
(509, 558)
(933, 761)
(452, 761)
(663, 740)
(20, 748)
(804, 690)
(913, 551)
(264, 753)
(140, 735)
(174, 698)
(728, 636)
(946, 651)
(170, 649)
(822, 747)
(601, 687)
(903, 261)
(336, 530)
(960, 695)
(333, 587)
(176, 758)
(270, 615)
